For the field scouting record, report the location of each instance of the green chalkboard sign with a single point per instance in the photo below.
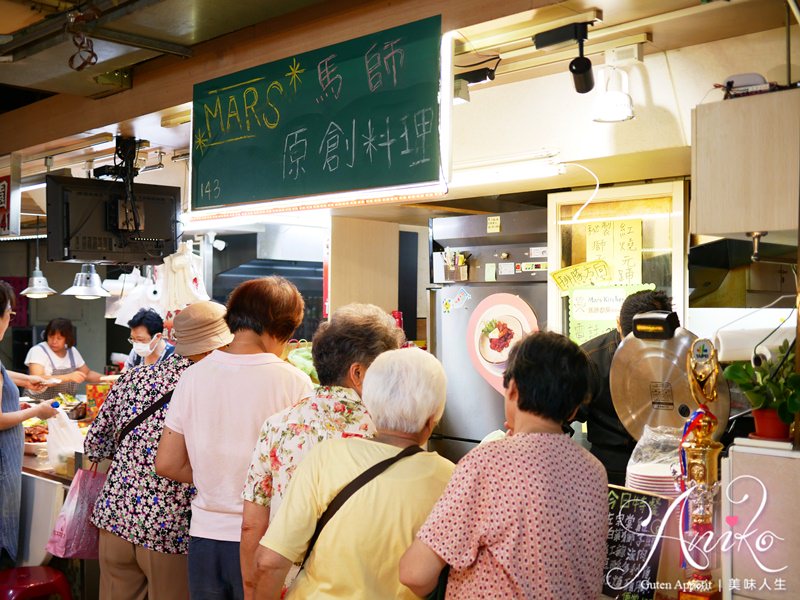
(357, 115)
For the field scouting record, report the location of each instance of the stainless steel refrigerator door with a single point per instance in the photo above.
(474, 408)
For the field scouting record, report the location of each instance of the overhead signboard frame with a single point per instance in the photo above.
(358, 115)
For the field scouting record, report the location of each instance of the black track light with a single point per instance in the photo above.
(580, 67)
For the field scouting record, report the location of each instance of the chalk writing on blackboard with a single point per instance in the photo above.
(634, 519)
(356, 115)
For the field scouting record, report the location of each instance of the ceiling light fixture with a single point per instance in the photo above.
(460, 92)
(463, 80)
(37, 282)
(82, 144)
(612, 105)
(155, 167)
(478, 75)
(581, 66)
(175, 119)
(86, 285)
(179, 156)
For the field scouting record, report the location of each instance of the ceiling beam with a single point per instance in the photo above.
(130, 39)
(50, 32)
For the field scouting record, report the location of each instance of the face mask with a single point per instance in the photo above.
(143, 349)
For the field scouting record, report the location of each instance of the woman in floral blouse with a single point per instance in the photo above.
(343, 348)
(143, 518)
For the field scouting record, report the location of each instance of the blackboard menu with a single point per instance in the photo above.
(356, 115)
(634, 520)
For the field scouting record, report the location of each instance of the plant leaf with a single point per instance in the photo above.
(784, 413)
(793, 402)
(737, 373)
(757, 398)
(776, 391)
(793, 381)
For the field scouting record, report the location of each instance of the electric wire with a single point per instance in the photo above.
(594, 193)
(497, 60)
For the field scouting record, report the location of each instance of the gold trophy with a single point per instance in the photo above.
(701, 456)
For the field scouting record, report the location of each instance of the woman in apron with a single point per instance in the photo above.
(58, 358)
(12, 439)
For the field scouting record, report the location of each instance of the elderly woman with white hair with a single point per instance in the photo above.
(356, 554)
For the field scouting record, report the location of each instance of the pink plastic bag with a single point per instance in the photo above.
(74, 536)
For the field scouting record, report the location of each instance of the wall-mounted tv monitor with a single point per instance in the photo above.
(94, 220)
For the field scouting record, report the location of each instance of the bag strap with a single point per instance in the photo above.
(351, 488)
(143, 416)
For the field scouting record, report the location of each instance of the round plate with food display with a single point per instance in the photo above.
(497, 323)
(497, 336)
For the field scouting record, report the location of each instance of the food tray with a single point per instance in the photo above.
(32, 448)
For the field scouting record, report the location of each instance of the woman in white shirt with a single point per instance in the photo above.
(58, 358)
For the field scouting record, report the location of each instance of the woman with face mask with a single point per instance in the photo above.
(58, 358)
(149, 345)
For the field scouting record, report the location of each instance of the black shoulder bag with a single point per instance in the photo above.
(351, 488)
(143, 416)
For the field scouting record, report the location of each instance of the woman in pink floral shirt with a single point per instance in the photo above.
(343, 348)
(523, 517)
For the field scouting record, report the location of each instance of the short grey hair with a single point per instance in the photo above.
(403, 389)
(355, 333)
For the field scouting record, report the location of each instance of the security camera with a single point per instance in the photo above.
(219, 244)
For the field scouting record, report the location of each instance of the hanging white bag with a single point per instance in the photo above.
(64, 439)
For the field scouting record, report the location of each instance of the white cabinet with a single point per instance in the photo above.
(759, 511)
(746, 164)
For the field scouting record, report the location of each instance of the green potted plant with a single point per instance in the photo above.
(773, 390)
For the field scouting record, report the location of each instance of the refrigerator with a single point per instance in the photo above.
(490, 289)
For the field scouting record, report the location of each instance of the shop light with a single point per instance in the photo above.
(37, 282)
(520, 170)
(87, 285)
(179, 118)
(638, 217)
(460, 92)
(82, 144)
(612, 105)
(580, 67)
(155, 167)
(248, 215)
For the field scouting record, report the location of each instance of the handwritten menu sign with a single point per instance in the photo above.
(593, 310)
(582, 275)
(631, 561)
(620, 244)
(356, 115)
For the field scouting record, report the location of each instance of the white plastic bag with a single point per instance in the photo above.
(64, 439)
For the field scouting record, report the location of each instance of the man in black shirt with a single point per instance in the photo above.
(611, 443)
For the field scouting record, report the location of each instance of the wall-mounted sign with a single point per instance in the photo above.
(9, 209)
(619, 243)
(594, 310)
(583, 274)
(357, 115)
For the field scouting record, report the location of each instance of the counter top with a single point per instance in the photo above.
(40, 467)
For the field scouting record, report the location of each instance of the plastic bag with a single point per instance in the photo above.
(64, 439)
(658, 446)
(301, 358)
(74, 536)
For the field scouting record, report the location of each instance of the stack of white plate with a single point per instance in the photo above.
(651, 478)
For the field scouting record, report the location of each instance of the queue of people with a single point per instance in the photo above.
(232, 477)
